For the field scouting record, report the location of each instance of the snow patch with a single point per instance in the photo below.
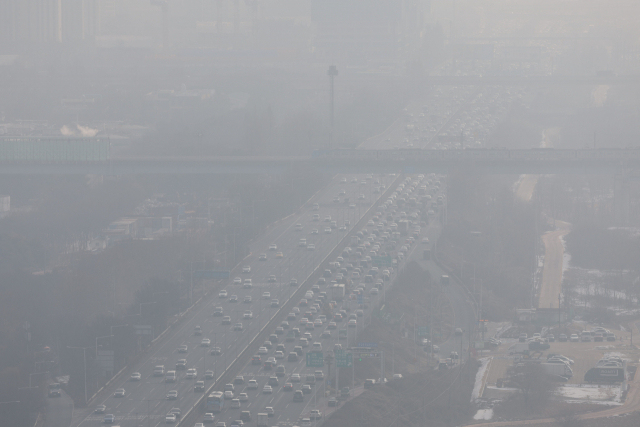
(477, 387)
(599, 394)
(483, 414)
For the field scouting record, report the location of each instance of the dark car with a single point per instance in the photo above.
(562, 338)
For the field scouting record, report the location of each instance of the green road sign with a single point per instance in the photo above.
(315, 359)
(381, 261)
(344, 359)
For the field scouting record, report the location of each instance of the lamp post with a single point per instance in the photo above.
(84, 350)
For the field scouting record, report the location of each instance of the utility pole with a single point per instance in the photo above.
(332, 73)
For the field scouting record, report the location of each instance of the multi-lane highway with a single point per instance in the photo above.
(322, 222)
(146, 399)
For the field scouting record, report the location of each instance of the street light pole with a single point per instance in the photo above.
(84, 351)
(97, 338)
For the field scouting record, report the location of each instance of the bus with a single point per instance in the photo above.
(215, 402)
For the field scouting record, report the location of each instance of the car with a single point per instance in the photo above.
(246, 269)
(235, 403)
(209, 374)
(181, 364)
(315, 414)
(551, 338)
(238, 380)
(273, 381)
(562, 338)
(319, 375)
(233, 298)
(269, 411)
(206, 342)
(263, 350)
(288, 386)
(119, 393)
(199, 386)
(176, 411)
(172, 395)
(295, 378)
(325, 334)
(192, 373)
(306, 389)
(222, 293)
(216, 351)
(262, 257)
(267, 389)
(245, 416)
(574, 338)
(332, 325)
(425, 241)
(279, 255)
(272, 278)
(279, 355)
(244, 397)
(248, 314)
(311, 247)
(237, 280)
(266, 295)
(247, 284)
(100, 409)
(332, 402)
(228, 394)
(183, 348)
(273, 247)
(256, 360)
(237, 327)
(208, 418)
(218, 311)
(268, 344)
(352, 323)
(275, 303)
(170, 418)
(315, 231)
(135, 376)
(298, 396)
(252, 385)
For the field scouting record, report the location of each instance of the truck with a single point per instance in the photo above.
(337, 292)
(604, 375)
(263, 419)
(557, 369)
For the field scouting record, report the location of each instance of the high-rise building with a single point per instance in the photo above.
(28, 24)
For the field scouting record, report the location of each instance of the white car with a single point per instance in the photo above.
(135, 376)
(222, 294)
(246, 269)
(263, 350)
(109, 418)
(243, 397)
(252, 385)
(311, 247)
(266, 295)
(206, 342)
(267, 389)
(273, 247)
(248, 314)
(170, 418)
(237, 280)
(119, 393)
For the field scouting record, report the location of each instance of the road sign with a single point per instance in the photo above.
(423, 331)
(344, 359)
(211, 274)
(315, 359)
(368, 344)
(143, 329)
(363, 355)
(381, 261)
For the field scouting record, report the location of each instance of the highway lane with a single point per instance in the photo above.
(146, 399)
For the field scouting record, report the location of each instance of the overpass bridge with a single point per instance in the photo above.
(553, 80)
(483, 161)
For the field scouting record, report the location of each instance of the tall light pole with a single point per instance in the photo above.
(84, 350)
(332, 73)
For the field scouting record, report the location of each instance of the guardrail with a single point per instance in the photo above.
(243, 357)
